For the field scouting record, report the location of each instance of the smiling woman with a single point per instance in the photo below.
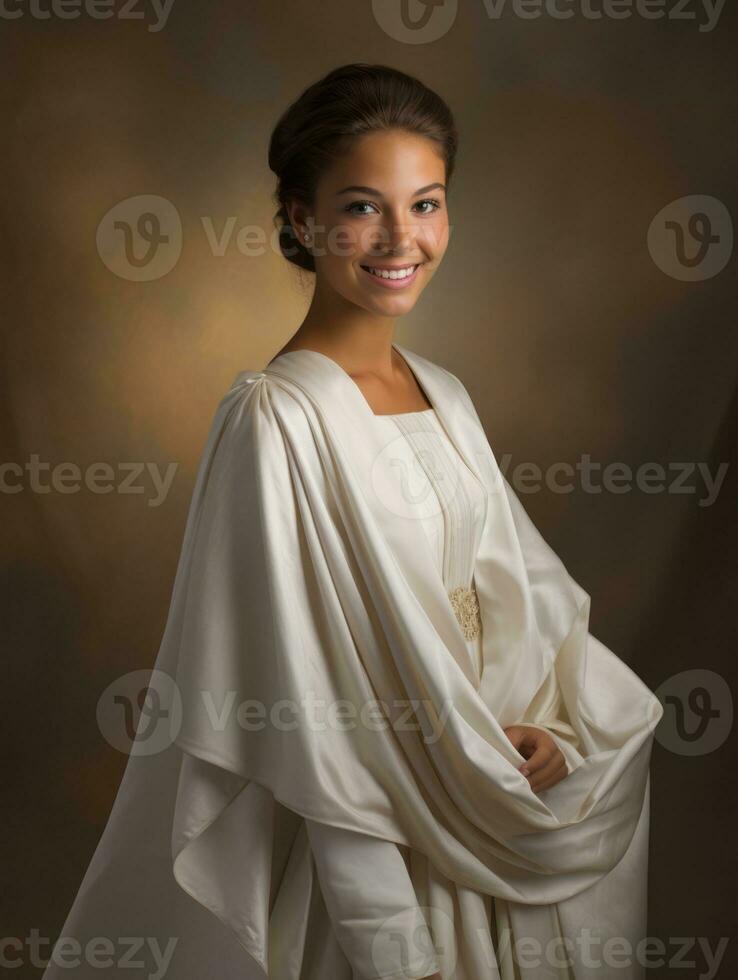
(364, 160)
(392, 239)
(393, 749)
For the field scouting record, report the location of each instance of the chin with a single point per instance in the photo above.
(396, 308)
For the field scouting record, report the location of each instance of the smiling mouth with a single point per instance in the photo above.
(392, 275)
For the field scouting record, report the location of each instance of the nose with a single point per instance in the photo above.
(394, 238)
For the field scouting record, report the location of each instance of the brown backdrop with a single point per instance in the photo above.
(574, 332)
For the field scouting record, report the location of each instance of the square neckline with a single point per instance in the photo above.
(395, 415)
(403, 415)
(344, 372)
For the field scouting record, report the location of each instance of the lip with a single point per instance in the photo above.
(393, 283)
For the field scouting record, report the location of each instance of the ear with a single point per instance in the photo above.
(300, 219)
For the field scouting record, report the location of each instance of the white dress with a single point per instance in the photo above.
(382, 897)
(306, 580)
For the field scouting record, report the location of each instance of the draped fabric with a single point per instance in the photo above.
(371, 890)
(320, 672)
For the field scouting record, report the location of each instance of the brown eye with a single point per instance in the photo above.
(359, 204)
(431, 200)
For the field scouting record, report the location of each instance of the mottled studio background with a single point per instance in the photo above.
(576, 330)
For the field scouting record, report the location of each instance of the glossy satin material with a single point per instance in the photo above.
(370, 891)
(299, 577)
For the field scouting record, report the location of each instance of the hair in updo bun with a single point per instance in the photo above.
(347, 103)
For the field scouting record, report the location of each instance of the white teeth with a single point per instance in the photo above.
(394, 274)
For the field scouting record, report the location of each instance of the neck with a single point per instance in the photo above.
(361, 344)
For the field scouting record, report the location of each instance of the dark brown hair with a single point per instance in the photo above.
(347, 103)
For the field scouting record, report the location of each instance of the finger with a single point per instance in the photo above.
(561, 773)
(518, 735)
(540, 758)
(547, 779)
(544, 772)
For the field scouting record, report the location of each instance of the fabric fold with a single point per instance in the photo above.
(322, 673)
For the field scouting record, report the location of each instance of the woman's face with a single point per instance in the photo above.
(382, 205)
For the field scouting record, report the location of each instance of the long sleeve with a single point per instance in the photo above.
(372, 904)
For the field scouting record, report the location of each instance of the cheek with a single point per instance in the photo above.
(436, 234)
(371, 239)
(343, 242)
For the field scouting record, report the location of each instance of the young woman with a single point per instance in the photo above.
(393, 748)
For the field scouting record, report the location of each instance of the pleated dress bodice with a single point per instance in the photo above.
(433, 485)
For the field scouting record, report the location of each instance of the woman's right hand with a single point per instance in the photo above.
(545, 764)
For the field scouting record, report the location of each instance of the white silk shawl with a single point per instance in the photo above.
(301, 585)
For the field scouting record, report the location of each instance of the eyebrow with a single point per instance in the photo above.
(359, 189)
